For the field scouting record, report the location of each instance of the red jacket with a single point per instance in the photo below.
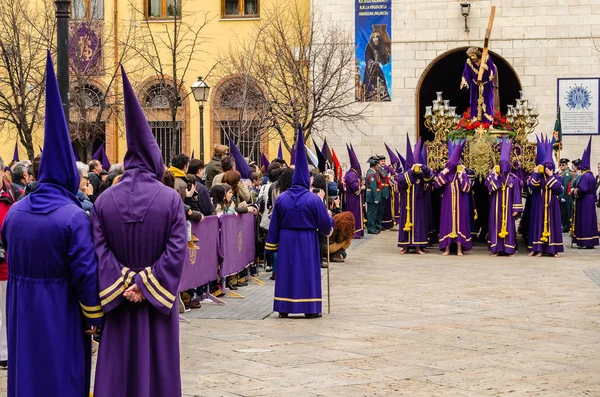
(7, 198)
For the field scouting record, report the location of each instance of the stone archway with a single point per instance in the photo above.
(444, 74)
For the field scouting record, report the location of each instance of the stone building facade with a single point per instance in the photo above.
(538, 41)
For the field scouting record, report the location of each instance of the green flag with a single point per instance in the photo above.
(557, 133)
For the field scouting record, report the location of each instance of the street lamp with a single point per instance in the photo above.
(63, 13)
(200, 90)
(465, 9)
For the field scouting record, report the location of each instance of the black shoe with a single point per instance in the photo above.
(283, 315)
(240, 284)
(4, 364)
(373, 231)
(268, 269)
(312, 315)
(272, 276)
(231, 287)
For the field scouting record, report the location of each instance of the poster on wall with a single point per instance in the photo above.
(373, 41)
(579, 102)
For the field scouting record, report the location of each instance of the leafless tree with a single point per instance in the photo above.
(92, 106)
(26, 32)
(180, 37)
(303, 67)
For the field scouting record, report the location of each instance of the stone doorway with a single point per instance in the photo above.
(444, 74)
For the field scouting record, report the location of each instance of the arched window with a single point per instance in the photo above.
(240, 115)
(86, 97)
(159, 99)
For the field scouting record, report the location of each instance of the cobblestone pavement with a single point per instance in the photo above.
(410, 326)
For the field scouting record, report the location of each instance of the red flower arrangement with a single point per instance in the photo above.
(467, 126)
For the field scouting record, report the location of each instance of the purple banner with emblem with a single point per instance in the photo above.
(85, 47)
(237, 242)
(201, 266)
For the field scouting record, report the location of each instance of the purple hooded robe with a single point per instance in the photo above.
(297, 219)
(485, 92)
(139, 230)
(354, 196)
(52, 291)
(505, 199)
(585, 222)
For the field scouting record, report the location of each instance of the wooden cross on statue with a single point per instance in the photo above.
(484, 55)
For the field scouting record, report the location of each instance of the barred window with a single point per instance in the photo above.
(167, 137)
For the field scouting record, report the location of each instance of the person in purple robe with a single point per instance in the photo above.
(585, 222)
(546, 229)
(481, 95)
(140, 236)
(52, 297)
(505, 205)
(296, 221)
(388, 176)
(396, 169)
(455, 186)
(413, 229)
(354, 193)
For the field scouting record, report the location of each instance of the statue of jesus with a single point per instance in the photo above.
(482, 94)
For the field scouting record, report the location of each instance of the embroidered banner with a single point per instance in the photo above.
(85, 47)
(205, 264)
(237, 242)
(373, 36)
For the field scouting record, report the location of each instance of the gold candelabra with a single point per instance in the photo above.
(523, 118)
(440, 118)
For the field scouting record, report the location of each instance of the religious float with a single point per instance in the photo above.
(482, 126)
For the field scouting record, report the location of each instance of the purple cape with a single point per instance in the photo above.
(486, 92)
(454, 220)
(585, 228)
(505, 199)
(354, 200)
(413, 230)
(546, 229)
(140, 235)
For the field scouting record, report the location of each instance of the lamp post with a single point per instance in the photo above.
(200, 90)
(63, 13)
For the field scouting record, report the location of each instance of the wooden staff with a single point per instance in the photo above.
(486, 43)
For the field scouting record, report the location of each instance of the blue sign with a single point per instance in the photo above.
(373, 36)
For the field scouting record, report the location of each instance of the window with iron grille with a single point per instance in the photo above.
(169, 140)
(245, 135)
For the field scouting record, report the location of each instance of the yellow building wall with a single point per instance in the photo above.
(218, 35)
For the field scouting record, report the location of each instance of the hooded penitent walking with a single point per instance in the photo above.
(52, 287)
(413, 228)
(354, 193)
(546, 230)
(505, 205)
(454, 220)
(585, 223)
(140, 236)
(297, 219)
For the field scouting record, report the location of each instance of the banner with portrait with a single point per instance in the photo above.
(579, 103)
(373, 43)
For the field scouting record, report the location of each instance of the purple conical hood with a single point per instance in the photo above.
(58, 178)
(454, 159)
(193, 152)
(240, 162)
(356, 162)
(424, 155)
(353, 160)
(451, 147)
(410, 160)
(104, 160)
(264, 161)
(293, 156)
(16, 152)
(394, 160)
(585, 158)
(540, 153)
(280, 151)
(402, 160)
(143, 152)
(505, 149)
(549, 156)
(417, 151)
(301, 177)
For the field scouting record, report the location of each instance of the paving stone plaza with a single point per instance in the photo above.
(408, 326)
